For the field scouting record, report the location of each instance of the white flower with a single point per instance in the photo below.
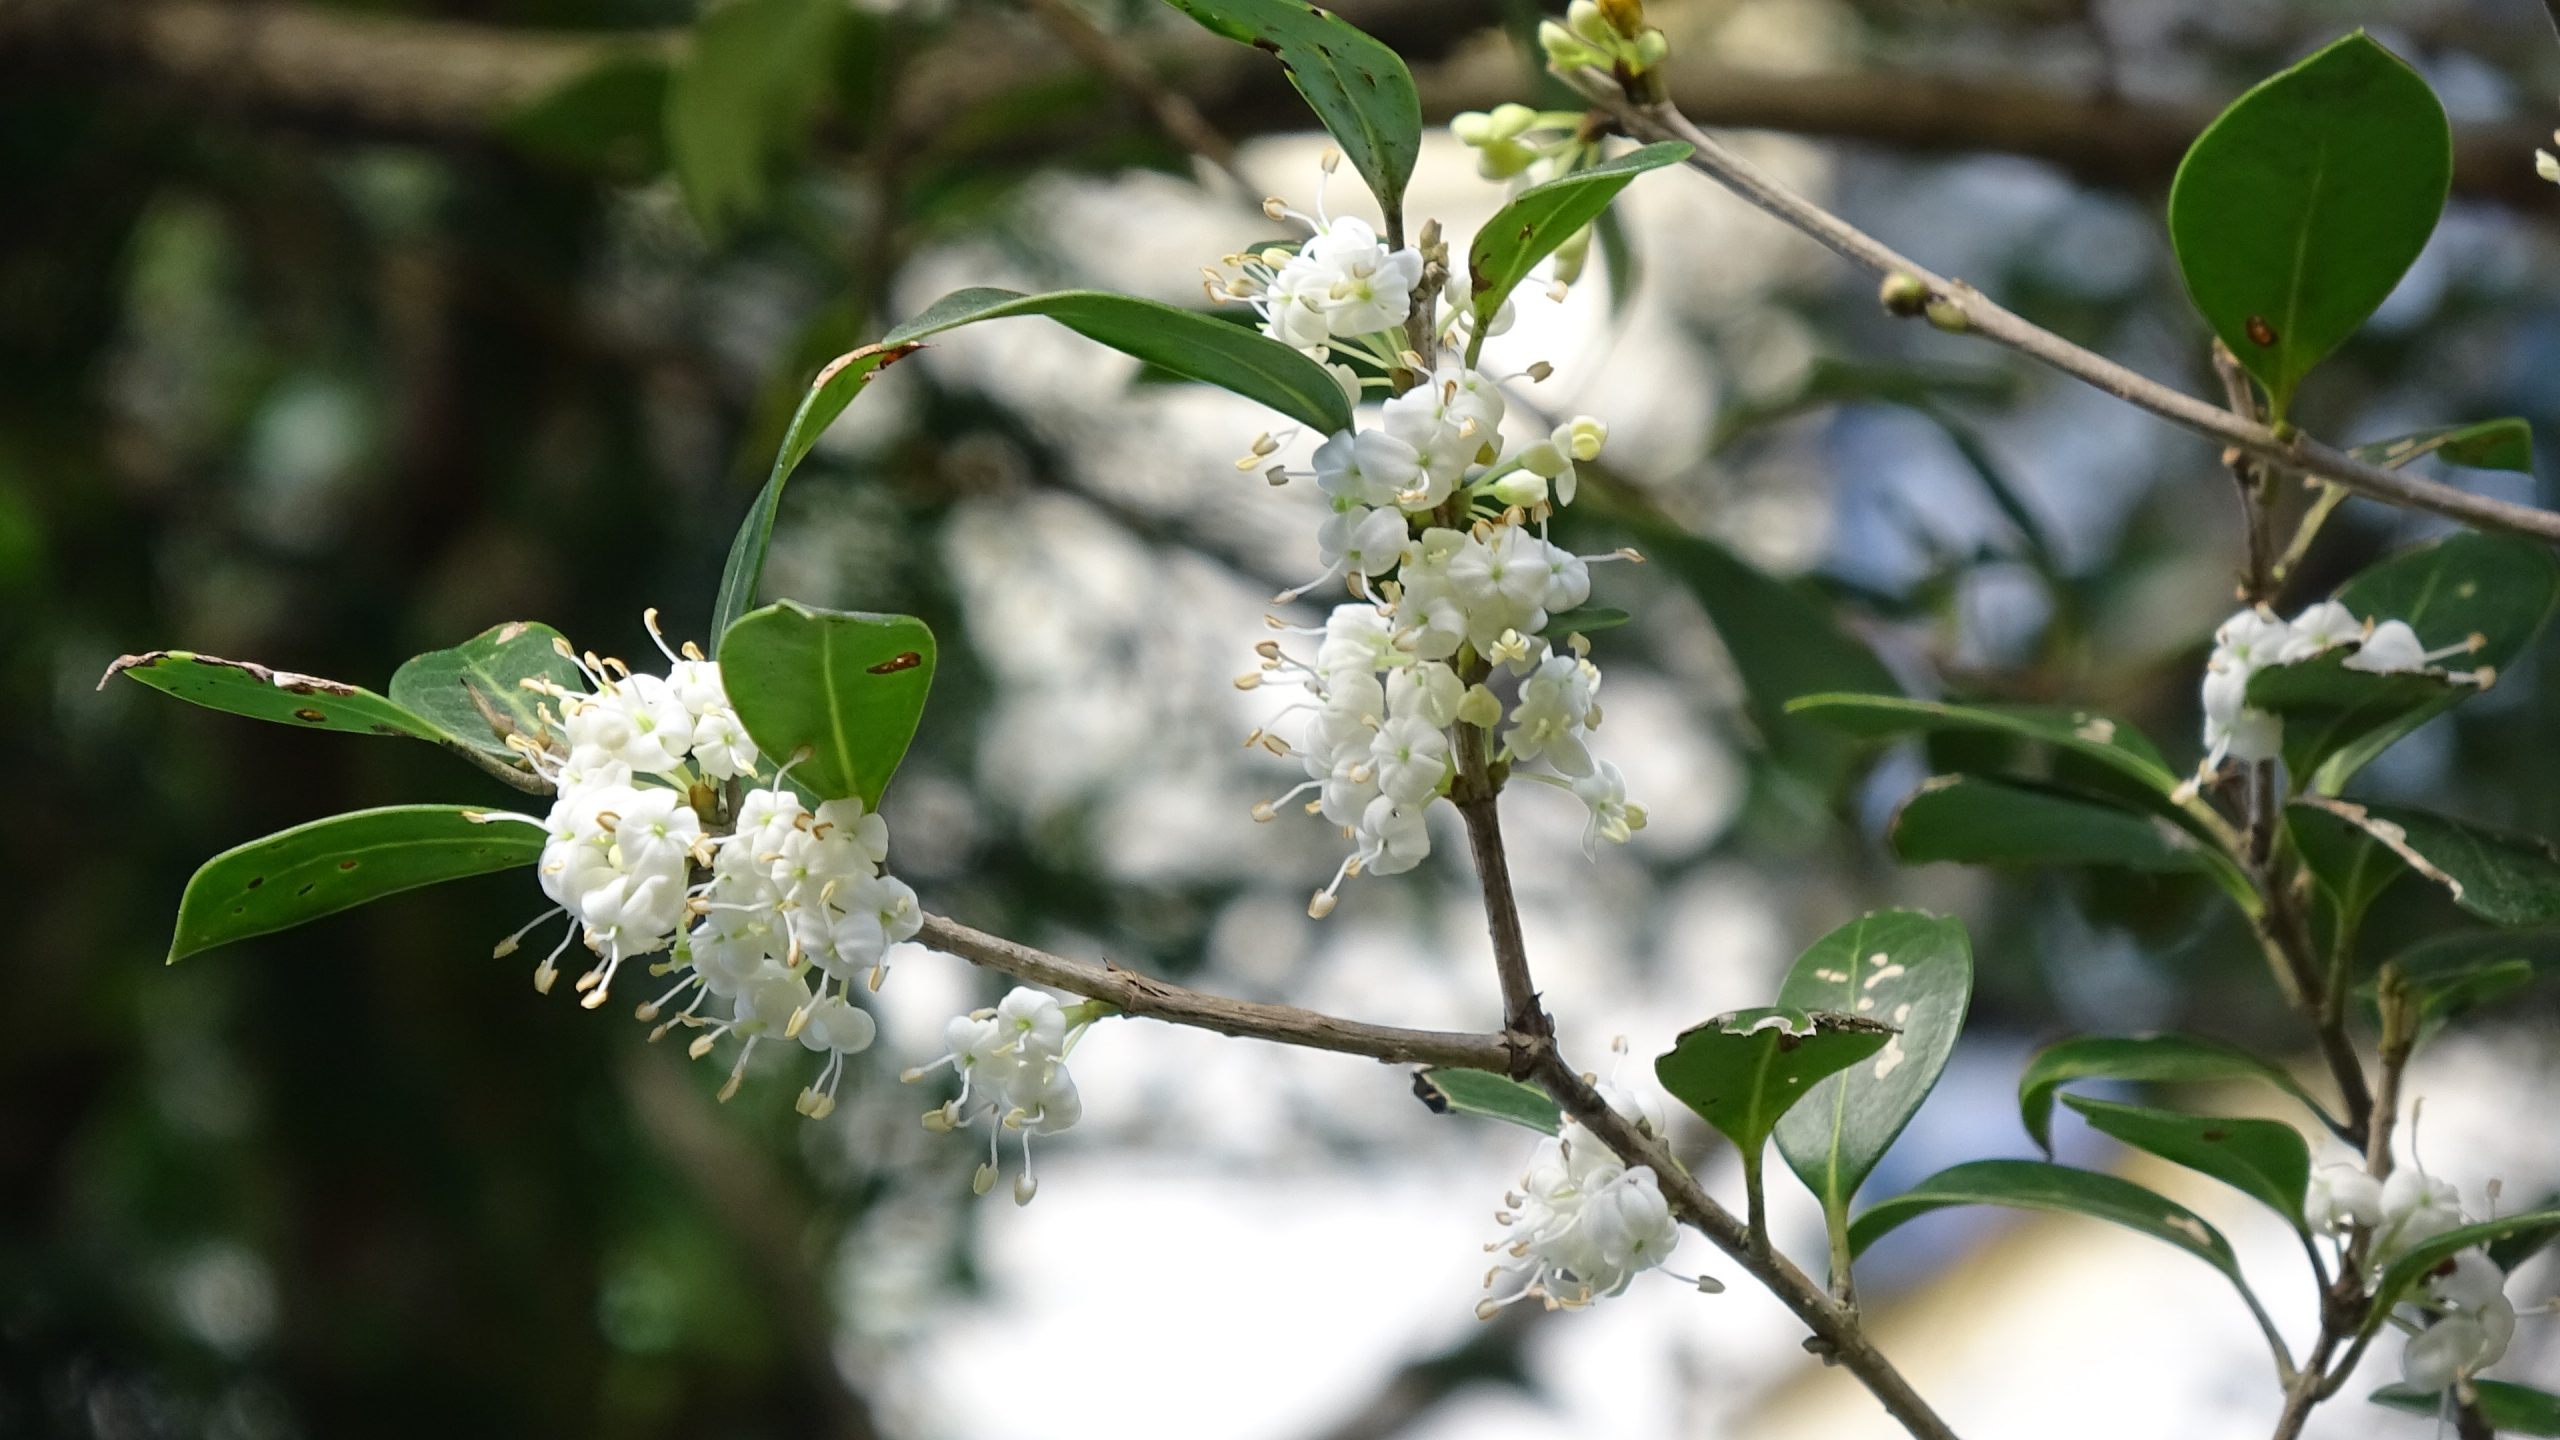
(2342, 1197)
(2391, 649)
(1614, 818)
(2251, 638)
(1365, 467)
(1013, 1076)
(1367, 543)
(1580, 438)
(2473, 1323)
(1553, 713)
(1412, 759)
(2318, 630)
(1583, 1225)
(2416, 1208)
(634, 720)
(1441, 439)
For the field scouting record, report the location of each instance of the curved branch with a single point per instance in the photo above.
(1978, 313)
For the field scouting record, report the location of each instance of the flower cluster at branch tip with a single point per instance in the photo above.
(2460, 1317)
(2254, 639)
(777, 914)
(1583, 1223)
(1439, 535)
(1013, 1076)
(1603, 35)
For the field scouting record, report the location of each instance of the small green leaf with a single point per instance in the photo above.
(2112, 744)
(2297, 211)
(475, 692)
(829, 394)
(1358, 88)
(2327, 706)
(1742, 1071)
(1589, 620)
(1234, 358)
(2036, 1185)
(847, 687)
(1479, 1092)
(2510, 1409)
(2401, 1276)
(2263, 1159)
(1977, 821)
(2349, 867)
(2450, 975)
(279, 695)
(1911, 970)
(2162, 1059)
(330, 865)
(1784, 642)
(1542, 217)
(2503, 878)
(743, 97)
(2505, 444)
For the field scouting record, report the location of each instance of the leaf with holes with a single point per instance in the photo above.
(1496, 1097)
(2401, 1276)
(2159, 1059)
(2505, 444)
(1235, 358)
(335, 864)
(2504, 878)
(1975, 821)
(2037, 1185)
(846, 687)
(1358, 88)
(1537, 220)
(1912, 971)
(828, 396)
(2510, 1409)
(279, 695)
(475, 691)
(2109, 744)
(1742, 1071)
(2298, 210)
(2263, 1159)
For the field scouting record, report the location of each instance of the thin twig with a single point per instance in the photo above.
(1968, 309)
(1139, 994)
(2256, 481)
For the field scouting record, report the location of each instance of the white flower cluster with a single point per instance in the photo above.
(750, 918)
(1583, 1224)
(2255, 638)
(2461, 1316)
(1013, 1076)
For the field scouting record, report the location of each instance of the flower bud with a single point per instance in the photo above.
(1903, 294)
(1564, 51)
(1651, 49)
(1585, 20)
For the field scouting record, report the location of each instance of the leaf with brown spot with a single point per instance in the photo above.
(340, 862)
(242, 688)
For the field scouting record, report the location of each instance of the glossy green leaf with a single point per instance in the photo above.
(2505, 444)
(2510, 1409)
(1742, 1071)
(1198, 347)
(743, 97)
(847, 687)
(2264, 1159)
(2327, 706)
(2111, 744)
(829, 394)
(2037, 1185)
(2401, 1276)
(1496, 1097)
(1359, 88)
(279, 695)
(2159, 1059)
(475, 691)
(1542, 217)
(1784, 643)
(2348, 866)
(1911, 970)
(330, 865)
(2504, 878)
(1976, 821)
(2298, 210)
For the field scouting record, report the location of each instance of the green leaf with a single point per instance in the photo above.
(279, 695)
(2504, 878)
(2037, 1185)
(2450, 975)
(2163, 1059)
(829, 394)
(1358, 87)
(847, 687)
(1742, 1071)
(2401, 1276)
(1976, 821)
(1913, 971)
(2111, 744)
(608, 120)
(1784, 643)
(2263, 1159)
(743, 97)
(2510, 1409)
(2297, 211)
(330, 865)
(2327, 707)
(1234, 358)
(2349, 867)
(1589, 620)
(1542, 217)
(2505, 444)
(1479, 1092)
(474, 692)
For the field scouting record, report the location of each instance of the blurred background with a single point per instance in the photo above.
(331, 333)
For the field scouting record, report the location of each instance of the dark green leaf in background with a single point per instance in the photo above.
(2504, 878)
(2161, 1059)
(743, 97)
(2510, 1409)
(2100, 739)
(1975, 821)
(2504, 444)
(2402, 1276)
